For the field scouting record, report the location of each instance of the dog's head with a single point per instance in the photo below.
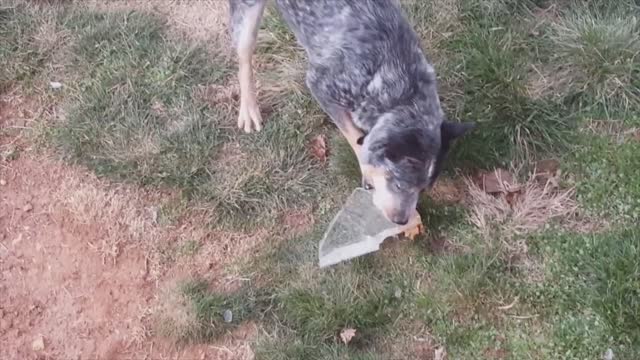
(399, 164)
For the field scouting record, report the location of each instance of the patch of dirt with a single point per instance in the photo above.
(76, 270)
(55, 282)
(79, 266)
(448, 191)
(298, 222)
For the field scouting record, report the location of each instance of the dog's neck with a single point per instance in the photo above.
(421, 115)
(418, 102)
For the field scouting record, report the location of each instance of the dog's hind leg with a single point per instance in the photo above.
(245, 21)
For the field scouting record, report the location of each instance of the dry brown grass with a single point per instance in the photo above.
(519, 209)
(617, 130)
(532, 206)
(120, 212)
(201, 21)
(127, 216)
(174, 314)
(545, 81)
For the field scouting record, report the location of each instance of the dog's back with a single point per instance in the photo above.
(363, 55)
(367, 71)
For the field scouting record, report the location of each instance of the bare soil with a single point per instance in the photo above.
(77, 275)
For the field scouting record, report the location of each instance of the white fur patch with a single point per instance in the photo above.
(376, 84)
(432, 169)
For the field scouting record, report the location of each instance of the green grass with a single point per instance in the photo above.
(594, 301)
(153, 129)
(134, 112)
(20, 58)
(608, 173)
(598, 52)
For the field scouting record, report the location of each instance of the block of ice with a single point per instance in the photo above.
(358, 229)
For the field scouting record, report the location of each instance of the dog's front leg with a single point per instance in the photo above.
(351, 132)
(354, 136)
(245, 21)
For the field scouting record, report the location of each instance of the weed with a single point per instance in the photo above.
(597, 54)
(511, 125)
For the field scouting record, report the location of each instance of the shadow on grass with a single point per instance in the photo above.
(137, 114)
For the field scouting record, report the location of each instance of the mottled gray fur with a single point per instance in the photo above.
(366, 60)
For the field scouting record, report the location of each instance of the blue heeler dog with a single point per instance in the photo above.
(369, 74)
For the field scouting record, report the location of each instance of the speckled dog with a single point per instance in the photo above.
(369, 74)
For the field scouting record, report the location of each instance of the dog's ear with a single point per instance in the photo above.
(452, 130)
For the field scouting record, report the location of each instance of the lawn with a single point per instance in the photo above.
(556, 276)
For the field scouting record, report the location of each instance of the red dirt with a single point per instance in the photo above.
(54, 283)
(57, 285)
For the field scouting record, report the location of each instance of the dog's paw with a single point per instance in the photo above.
(249, 118)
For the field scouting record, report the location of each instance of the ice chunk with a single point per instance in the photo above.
(358, 229)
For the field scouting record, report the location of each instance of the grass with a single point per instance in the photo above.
(20, 58)
(608, 170)
(594, 303)
(154, 130)
(601, 52)
(143, 108)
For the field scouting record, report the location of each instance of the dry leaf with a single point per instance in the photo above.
(439, 353)
(416, 231)
(495, 182)
(347, 334)
(318, 148)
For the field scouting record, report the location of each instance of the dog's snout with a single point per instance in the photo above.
(399, 219)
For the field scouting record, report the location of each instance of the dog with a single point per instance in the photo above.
(368, 73)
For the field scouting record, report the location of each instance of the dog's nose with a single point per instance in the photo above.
(400, 220)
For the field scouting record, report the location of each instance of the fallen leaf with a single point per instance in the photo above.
(347, 334)
(439, 353)
(27, 207)
(319, 148)
(496, 181)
